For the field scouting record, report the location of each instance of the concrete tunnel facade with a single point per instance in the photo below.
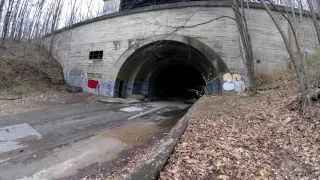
(140, 50)
(168, 66)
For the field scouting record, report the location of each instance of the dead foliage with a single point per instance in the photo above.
(24, 63)
(249, 138)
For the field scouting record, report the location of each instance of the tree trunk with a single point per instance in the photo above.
(298, 63)
(14, 22)
(21, 17)
(6, 22)
(1, 8)
(245, 46)
(314, 19)
(56, 17)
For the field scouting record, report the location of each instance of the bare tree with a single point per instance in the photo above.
(245, 44)
(7, 21)
(47, 19)
(37, 22)
(21, 17)
(55, 20)
(89, 9)
(73, 13)
(2, 2)
(314, 19)
(14, 21)
(298, 61)
(34, 25)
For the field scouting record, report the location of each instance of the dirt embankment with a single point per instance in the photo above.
(27, 75)
(27, 67)
(249, 138)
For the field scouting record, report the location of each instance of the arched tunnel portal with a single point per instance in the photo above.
(169, 68)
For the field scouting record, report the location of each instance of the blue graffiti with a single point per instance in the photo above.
(105, 87)
(111, 8)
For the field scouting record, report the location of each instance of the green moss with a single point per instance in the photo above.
(55, 75)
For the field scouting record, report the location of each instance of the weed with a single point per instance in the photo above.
(24, 88)
(55, 75)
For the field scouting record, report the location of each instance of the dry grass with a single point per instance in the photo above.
(24, 65)
(314, 68)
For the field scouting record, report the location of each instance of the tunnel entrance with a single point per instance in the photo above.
(169, 68)
(181, 81)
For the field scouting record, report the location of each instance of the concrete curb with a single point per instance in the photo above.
(118, 101)
(150, 168)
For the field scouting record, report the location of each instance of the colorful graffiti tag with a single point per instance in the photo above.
(107, 87)
(93, 85)
(129, 87)
(111, 7)
(233, 82)
(145, 87)
(214, 87)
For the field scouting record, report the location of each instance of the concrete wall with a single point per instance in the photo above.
(115, 34)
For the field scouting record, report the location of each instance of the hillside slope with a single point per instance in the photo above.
(25, 66)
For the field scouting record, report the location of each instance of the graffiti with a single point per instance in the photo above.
(145, 86)
(214, 87)
(77, 81)
(107, 87)
(233, 83)
(93, 84)
(111, 7)
(116, 89)
(129, 87)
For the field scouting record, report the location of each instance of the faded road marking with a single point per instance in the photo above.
(9, 136)
(141, 114)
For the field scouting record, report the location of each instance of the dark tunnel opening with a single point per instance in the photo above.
(181, 81)
(168, 69)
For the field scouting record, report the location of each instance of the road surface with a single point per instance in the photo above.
(59, 140)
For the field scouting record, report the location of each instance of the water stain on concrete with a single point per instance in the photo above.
(6, 146)
(131, 109)
(10, 136)
(59, 164)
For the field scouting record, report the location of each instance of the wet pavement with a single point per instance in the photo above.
(58, 140)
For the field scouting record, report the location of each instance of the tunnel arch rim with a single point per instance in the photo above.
(213, 57)
(207, 51)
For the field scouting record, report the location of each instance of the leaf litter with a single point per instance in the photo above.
(256, 137)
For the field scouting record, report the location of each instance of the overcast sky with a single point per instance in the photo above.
(84, 6)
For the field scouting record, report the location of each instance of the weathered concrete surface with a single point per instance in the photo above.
(151, 167)
(118, 100)
(58, 141)
(121, 34)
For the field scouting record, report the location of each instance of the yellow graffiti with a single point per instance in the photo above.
(233, 83)
(236, 77)
(227, 77)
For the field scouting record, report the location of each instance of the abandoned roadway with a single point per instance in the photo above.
(57, 141)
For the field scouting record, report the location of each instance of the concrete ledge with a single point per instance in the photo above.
(177, 5)
(150, 168)
(117, 100)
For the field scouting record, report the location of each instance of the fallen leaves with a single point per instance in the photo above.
(244, 138)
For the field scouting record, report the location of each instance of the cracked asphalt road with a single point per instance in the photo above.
(60, 139)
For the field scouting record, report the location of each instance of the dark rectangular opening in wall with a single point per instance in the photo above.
(95, 54)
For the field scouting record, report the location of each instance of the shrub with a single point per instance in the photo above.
(55, 75)
(24, 88)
